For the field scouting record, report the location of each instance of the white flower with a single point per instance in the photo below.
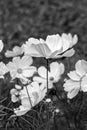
(15, 52)
(1, 45)
(3, 69)
(56, 70)
(78, 80)
(55, 46)
(21, 67)
(36, 93)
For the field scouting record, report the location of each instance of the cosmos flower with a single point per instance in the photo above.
(56, 70)
(21, 67)
(15, 52)
(3, 69)
(77, 81)
(36, 92)
(55, 46)
(1, 45)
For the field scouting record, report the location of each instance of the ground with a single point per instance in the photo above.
(21, 19)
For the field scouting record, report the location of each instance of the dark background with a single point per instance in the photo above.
(21, 19)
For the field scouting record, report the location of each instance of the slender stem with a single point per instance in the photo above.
(29, 97)
(47, 74)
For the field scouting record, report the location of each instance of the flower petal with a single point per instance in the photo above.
(14, 98)
(69, 85)
(84, 84)
(21, 110)
(65, 41)
(3, 69)
(39, 79)
(25, 62)
(72, 93)
(29, 72)
(81, 68)
(53, 42)
(42, 71)
(56, 70)
(74, 76)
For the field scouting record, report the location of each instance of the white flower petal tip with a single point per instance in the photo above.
(52, 47)
(15, 52)
(1, 45)
(21, 111)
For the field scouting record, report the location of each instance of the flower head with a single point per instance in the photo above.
(55, 46)
(21, 67)
(56, 70)
(78, 79)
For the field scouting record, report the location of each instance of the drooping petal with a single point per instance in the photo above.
(68, 53)
(74, 76)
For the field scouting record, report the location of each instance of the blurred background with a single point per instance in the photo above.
(21, 19)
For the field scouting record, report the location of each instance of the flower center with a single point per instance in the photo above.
(51, 78)
(19, 70)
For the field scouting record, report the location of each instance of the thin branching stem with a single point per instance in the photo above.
(47, 74)
(29, 97)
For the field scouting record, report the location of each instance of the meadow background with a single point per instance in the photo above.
(21, 19)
